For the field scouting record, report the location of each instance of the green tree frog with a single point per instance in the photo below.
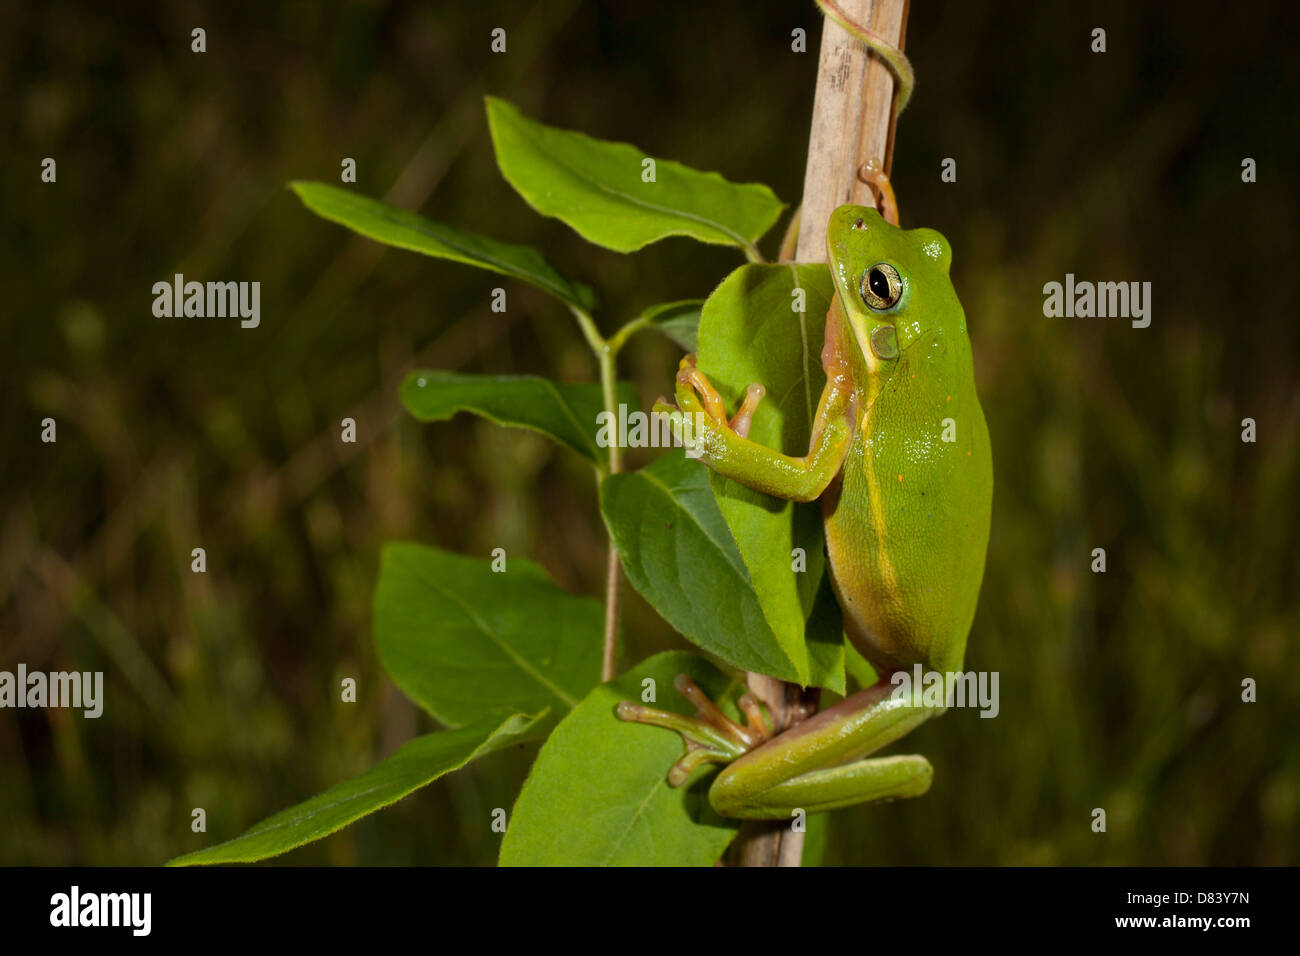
(900, 459)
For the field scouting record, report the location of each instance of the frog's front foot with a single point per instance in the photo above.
(697, 397)
(711, 736)
(873, 174)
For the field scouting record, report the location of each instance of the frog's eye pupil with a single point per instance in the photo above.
(878, 283)
(881, 286)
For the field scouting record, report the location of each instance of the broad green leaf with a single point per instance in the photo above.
(464, 641)
(859, 667)
(678, 552)
(407, 230)
(679, 321)
(596, 187)
(598, 794)
(417, 763)
(824, 632)
(570, 414)
(766, 324)
(815, 838)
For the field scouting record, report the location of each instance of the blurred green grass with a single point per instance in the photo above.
(1119, 691)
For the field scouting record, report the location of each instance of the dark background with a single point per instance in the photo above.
(1119, 691)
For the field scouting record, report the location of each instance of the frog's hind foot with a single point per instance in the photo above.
(711, 736)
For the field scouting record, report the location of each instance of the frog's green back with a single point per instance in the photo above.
(907, 525)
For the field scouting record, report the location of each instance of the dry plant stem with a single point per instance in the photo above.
(852, 118)
(852, 123)
(772, 842)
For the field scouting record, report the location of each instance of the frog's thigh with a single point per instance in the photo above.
(866, 781)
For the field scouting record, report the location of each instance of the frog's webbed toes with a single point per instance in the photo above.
(710, 736)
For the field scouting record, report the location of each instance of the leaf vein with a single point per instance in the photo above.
(509, 651)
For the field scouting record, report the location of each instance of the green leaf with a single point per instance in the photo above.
(596, 187)
(417, 763)
(679, 321)
(464, 641)
(815, 839)
(406, 230)
(824, 632)
(569, 414)
(859, 667)
(678, 552)
(598, 794)
(754, 328)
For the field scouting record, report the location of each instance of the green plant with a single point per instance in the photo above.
(495, 650)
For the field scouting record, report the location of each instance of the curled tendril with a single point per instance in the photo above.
(890, 55)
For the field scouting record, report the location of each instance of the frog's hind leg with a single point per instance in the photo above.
(711, 736)
(820, 764)
(877, 780)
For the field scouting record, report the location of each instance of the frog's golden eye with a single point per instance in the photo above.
(881, 286)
